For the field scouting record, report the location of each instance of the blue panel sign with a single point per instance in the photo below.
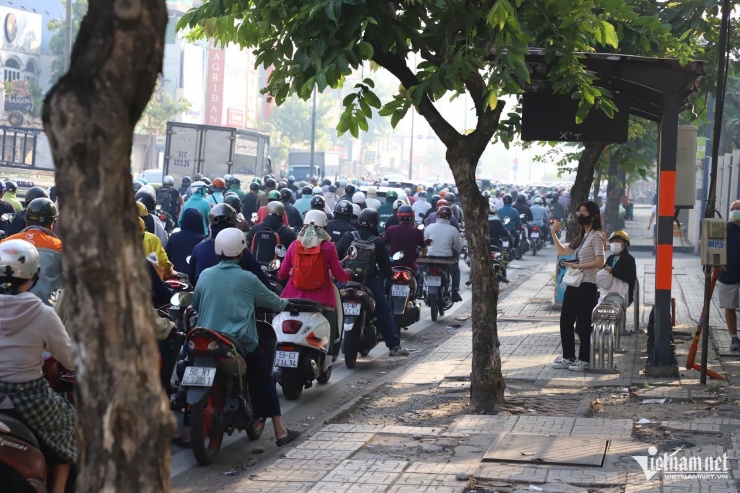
(559, 273)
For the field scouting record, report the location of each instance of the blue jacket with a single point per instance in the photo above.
(225, 299)
(197, 201)
(180, 245)
(512, 214)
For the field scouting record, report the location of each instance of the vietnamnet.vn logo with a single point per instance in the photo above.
(683, 467)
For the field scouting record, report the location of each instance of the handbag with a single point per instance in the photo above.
(573, 277)
(604, 279)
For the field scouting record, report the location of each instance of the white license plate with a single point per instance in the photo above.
(286, 359)
(198, 376)
(351, 308)
(505, 244)
(399, 290)
(433, 281)
(534, 235)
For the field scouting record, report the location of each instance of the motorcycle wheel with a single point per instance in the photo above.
(351, 343)
(434, 305)
(207, 438)
(534, 249)
(291, 383)
(518, 253)
(324, 376)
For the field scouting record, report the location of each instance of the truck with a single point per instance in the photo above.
(215, 151)
(25, 157)
(325, 165)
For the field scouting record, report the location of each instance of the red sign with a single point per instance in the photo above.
(215, 88)
(234, 118)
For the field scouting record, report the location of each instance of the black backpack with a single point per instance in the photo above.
(363, 266)
(166, 202)
(263, 245)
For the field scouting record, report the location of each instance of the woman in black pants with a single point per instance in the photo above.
(579, 302)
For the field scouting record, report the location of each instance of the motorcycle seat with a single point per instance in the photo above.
(18, 429)
(437, 260)
(239, 348)
(305, 305)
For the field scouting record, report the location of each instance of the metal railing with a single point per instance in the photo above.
(607, 319)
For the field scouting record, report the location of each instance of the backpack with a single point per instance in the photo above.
(263, 245)
(308, 267)
(164, 199)
(362, 266)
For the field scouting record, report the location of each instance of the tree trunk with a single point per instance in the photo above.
(124, 421)
(487, 382)
(614, 189)
(584, 177)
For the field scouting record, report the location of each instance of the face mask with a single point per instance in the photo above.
(584, 220)
(616, 248)
(735, 215)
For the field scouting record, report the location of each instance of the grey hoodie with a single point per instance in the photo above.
(28, 328)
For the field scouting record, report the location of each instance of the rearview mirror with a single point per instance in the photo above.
(274, 264)
(398, 255)
(352, 252)
(420, 227)
(280, 250)
(187, 259)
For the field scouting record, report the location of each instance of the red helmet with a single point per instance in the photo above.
(218, 183)
(444, 212)
(442, 203)
(405, 213)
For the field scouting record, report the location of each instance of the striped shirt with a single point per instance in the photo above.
(591, 247)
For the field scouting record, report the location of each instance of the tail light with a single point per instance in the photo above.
(535, 228)
(433, 270)
(291, 326)
(202, 345)
(401, 276)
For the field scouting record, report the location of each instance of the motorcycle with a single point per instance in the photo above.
(215, 385)
(537, 238)
(436, 288)
(402, 295)
(499, 264)
(22, 464)
(359, 334)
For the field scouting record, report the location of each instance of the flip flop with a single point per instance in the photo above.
(292, 435)
(177, 440)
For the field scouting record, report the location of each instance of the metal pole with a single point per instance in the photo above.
(68, 37)
(313, 131)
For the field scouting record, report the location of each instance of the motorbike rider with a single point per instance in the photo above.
(349, 191)
(372, 198)
(312, 234)
(216, 195)
(446, 244)
(454, 206)
(249, 202)
(303, 204)
(291, 184)
(270, 185)
(28, 330)
(11, 189)
(386, 209)
(342, 221)
(393, 220)
(181, 244)
(556, 212)
(359, 199)
(432, 217)
(185, 185)
(145, 208)
(198, 201)
(507, 211)
(204, 254)
(156, 254)
(421, 206)
(540, 216)
(496, 229)
(331, 197)
(232, 199)
(432, 209)
(319, 204)
(41, 214)
(272, 196)
(18, 220)
(294, 217)
(169, 199)
(521, 206)
(236, 187)
(225, 298)
(404, 237)
(274, 220)
(368, 228)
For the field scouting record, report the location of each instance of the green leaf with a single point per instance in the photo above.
(329, 11)
(349, 99)
(610, 35)
(372, 99)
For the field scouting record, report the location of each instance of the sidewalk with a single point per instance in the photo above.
(351, 457)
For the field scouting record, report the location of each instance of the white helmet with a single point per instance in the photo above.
(398, 203)
(491, 206)
(356, 209)
(195, 186)
(317, 191)
(317, 218)
(372, 192)
(230, 242)
(538, 201)
(358, 198)
(19, 259)
(168, 180)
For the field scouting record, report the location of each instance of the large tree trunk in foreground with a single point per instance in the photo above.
(124, 422)
(584, 178)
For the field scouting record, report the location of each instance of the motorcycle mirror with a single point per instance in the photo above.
(187, 259)
(398, 256)
(280, 250)
(420, 227)
(352, 252)
(382, 225)
(264, 268)
(429, 242)
(7, 217)
(274, 264)
(182, 298)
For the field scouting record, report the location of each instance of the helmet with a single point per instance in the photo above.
(282, 184)
(146, 198)
(11, 186)
(230, 242)
(419, 188)
(141, 209)
(41, 211)
(19, 259)
(286, 194)
(486, 194)
(422, 194)
(35, 193)
(137, 185)
(372, 191)
(444, 212)
(349, 189)
(218, 184)
(450, 197)
(235, 181)
(275, 208)
(206, 181)
(507, 199)
(291, 179)
(332, 189)
(356, 210)
(442, 203)
(168, 180)
(522, 197)
(621, 234)
(369, 218)
(197, 176)
(405, 213)
(391, 195)
(228, 178)
(306, 190)
(233, 200)
(318, 203)
(254, 186)
(343, 208)
(342, 182)
(398, 203)
(270, 183)
(326, 182)
(222, 213)
(408, 191)
(491, 206)
(358, 198)
(273, 195)
(538, 201)
(317, 191)
(434, 200)
(256, 180)
(443, 192)
(315, 217)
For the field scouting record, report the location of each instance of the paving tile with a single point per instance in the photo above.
(366, 471)
(401, 488)
(443, 469)
(327, 487)
(483, 424)
(319, 454)
(324, 445)
(272, 487)
(511, 472)
(296, 470)
(583, 476)
(325, 435)
(352, 428)
(410, 430)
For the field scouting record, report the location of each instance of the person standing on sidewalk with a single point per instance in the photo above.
(728, 282)
(579, 302)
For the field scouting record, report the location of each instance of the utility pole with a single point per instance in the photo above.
(68, 37)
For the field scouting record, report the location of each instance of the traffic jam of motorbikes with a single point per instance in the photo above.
(256, 284)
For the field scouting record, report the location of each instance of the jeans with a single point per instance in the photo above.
(578, 303)
(262, 391)
(383, 313)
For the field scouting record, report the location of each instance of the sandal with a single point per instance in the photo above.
(292, 435)
(177, 440)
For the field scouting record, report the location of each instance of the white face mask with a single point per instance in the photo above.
(735, 215)
(616, 248)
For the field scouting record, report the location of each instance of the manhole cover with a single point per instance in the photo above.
(567, 451)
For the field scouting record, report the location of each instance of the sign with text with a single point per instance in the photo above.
(215, 87)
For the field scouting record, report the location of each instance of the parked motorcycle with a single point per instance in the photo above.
(437, 278)
(402, 295)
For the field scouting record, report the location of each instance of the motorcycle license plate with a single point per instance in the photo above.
(352, 309)
(198, 376)
(505, 244)
(433, 281)
(286, 359)
(399, 290)
(534, 235)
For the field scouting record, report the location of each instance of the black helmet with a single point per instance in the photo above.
(434, 200)
(369, 218)
(349, 189)
(275, 208)
(422, 194)
(286, 194)
(332, 188)
(197, 176)
(343, 208)
(137, 186)
(41, 211)
(233, 200)
(326, 182)
(306, 190)
(35, 193)
(318, 203)
(11, 186)
(146, 198)
(270, 183)
(507, 199)
(235, 181)
(222, 214)
(254, 186)
(186, 181)
(450, 197)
